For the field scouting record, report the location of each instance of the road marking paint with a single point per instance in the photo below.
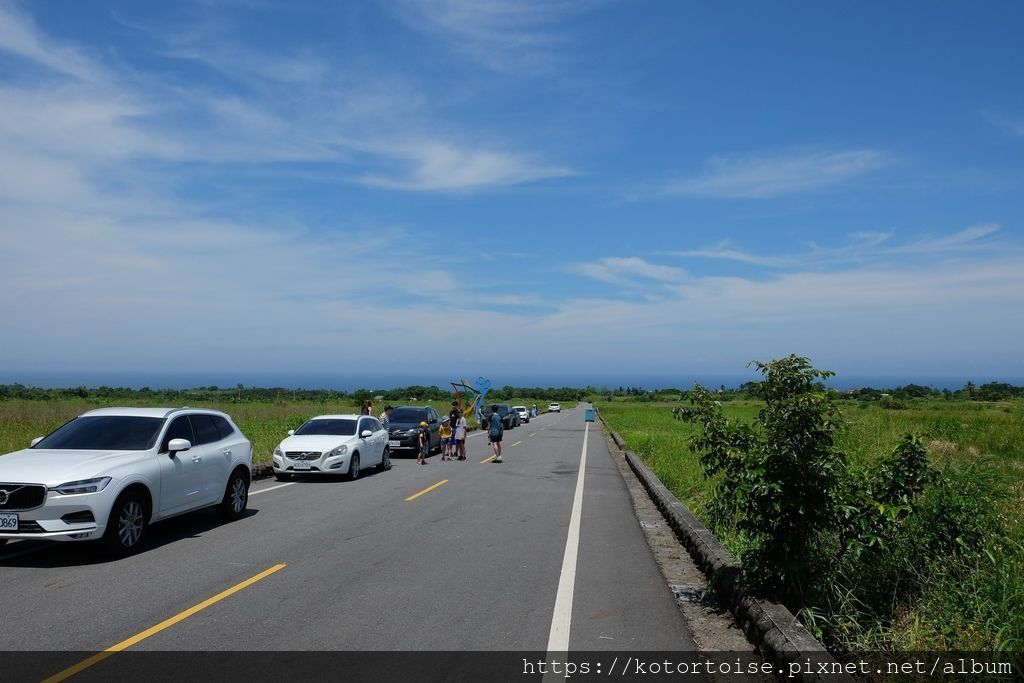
(167, 623)
(426, 490)
(515, 444)
(272, 488)
(561, 618)
(488, 459)
(532, 435)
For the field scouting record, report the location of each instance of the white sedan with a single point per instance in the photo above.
(333, 444)
(109, 473)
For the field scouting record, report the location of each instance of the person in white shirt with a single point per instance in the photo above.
(460, 436)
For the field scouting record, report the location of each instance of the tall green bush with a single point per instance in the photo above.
(780, 478)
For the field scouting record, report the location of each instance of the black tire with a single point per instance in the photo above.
(236, 496)
(282, 476)
(385, 460)
(353, 467)
(127, 524)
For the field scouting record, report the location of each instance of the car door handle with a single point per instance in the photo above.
(196, 458)
(227, 451)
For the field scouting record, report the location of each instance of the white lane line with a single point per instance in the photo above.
(272, 488)
(561, 619)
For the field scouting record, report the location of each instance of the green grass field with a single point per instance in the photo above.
(265, 423)
(974, 608)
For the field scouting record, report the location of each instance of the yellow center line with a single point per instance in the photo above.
(426, 490)
(515, 444)
(167, 623)
(487, 459)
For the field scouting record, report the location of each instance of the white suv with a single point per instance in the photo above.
(554, 408)
(110, 472)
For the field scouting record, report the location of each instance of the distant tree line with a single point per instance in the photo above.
(243, 394)
(991, 391)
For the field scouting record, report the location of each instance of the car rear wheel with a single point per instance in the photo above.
(353, 467)
(385, 460)
(236, 496)
(127, 524)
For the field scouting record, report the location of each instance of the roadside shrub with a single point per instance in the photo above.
(788, 490)
(780, 477)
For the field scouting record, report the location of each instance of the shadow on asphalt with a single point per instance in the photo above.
(335, 479)
(45, 555)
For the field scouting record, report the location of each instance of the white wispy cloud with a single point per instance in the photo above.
(630, 271)
(1011, 124)
(436, 165)
(767, 176)
(861, 247)
(726, 251)
(368, 129)
(20, 36)
(503, 35)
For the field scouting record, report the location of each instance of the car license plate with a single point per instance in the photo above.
(8, 522)
(394, 444)
(302, 466)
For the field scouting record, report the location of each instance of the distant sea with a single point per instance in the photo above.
(353, 381)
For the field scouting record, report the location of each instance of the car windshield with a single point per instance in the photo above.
(105, 433)
(333, 427)
(416, 415)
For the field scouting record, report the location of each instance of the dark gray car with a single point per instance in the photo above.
(403, 427)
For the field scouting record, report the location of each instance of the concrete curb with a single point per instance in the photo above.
(768, 625)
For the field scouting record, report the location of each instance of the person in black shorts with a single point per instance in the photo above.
(494, 432)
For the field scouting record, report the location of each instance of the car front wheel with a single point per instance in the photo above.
(236, 496)
(353, 467)
(127, 524)
(385, 460)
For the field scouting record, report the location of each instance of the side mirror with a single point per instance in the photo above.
(433, 420)
(35, 441)
(176, 445)
(291, 432)
(365, 434)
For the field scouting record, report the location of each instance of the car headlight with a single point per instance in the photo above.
(340, 450)
(277, 452)
(82, 486)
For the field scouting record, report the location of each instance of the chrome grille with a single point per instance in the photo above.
(303, 455)
(21, 496)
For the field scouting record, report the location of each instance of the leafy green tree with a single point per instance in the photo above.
(780, 478)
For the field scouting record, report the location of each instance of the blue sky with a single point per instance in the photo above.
(504, 187)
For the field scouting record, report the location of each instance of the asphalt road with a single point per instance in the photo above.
(476, 563)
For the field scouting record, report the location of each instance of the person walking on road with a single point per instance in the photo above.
(494, 433)
(460, 436)
(424, 444)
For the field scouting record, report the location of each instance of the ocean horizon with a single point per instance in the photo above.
(383, 381)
